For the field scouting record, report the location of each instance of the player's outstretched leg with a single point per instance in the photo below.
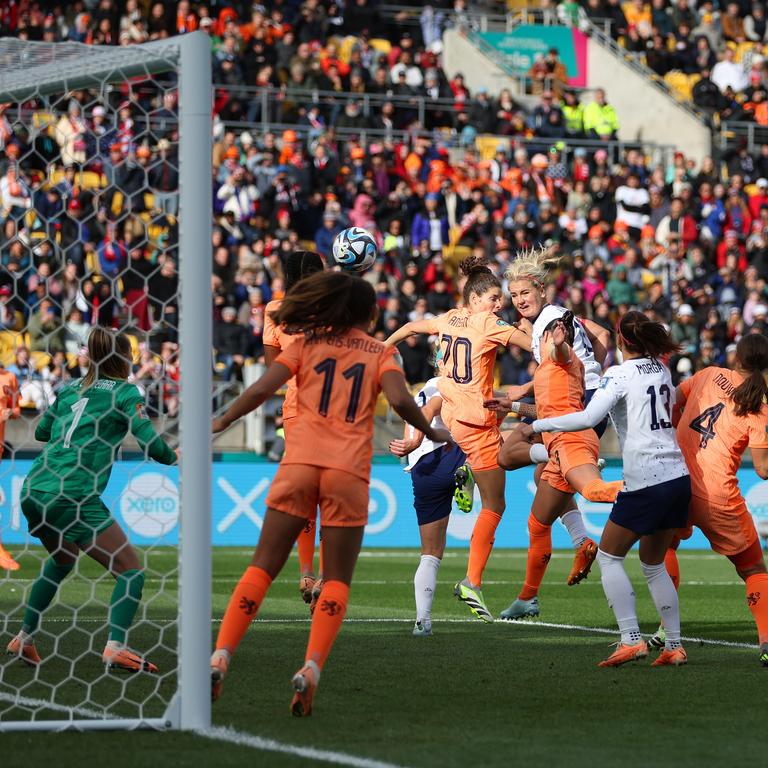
(464, 494)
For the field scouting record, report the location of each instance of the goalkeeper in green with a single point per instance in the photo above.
(61, 496)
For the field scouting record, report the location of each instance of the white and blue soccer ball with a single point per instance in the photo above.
(355, 249)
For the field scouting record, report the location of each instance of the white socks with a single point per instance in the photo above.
(424, 585)
(574, 522)
(538, 454)
(666, 601)
(620, 595)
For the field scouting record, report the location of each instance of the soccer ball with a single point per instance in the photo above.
(354, 249)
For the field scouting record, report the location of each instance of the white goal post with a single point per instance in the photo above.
(31, 70)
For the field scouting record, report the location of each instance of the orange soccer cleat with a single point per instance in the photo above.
(671, 658)
(119, 658)
(25, 652)
(625, 653)
(305, 684)
(582, 562)
(306, 585)
(219, 668)
(7, 563)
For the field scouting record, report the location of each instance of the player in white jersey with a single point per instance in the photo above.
(527, 277)
(432, 467)
(639, 396)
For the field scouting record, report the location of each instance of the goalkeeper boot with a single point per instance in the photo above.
(305, 684)
(582, 562)
(118, 658)
(521, 609)
(473, 597)
(674, 657)
(764, 654)
(316, 590)
(659, 639)
(464, 493)
(306, 586)
(625, 653)
(24, 651)
(7, 563)
(422, 629)
(219, 668)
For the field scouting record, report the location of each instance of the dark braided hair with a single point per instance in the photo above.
(479, 277)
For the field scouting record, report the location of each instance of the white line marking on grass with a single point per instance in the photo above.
(230, 735)
(25, 701)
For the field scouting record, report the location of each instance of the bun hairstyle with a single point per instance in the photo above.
(645, 337)
(533, 265)
(326, 304)
(301, 264)
(752, 355)
(110, 356)
(479, 277)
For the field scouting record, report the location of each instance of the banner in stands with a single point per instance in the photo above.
(523, 44)
(145, 500)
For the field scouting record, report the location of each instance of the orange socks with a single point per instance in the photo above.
(673, 567)
(539, 554)
(243, 607)
(757, 601)
(481, 544)
(326, 621)
(305, 544)
(602, 491)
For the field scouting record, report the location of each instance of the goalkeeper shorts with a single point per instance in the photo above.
(79, 521)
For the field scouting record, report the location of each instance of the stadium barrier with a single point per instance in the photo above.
(145, 500)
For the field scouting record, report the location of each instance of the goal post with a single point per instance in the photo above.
(35, 72)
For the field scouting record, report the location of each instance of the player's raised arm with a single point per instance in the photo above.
(599, 337)
(393, 384)
(412, 437)
(599, 406)
(411, 329)
(277, 374)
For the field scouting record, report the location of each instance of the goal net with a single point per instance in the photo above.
(105, 220)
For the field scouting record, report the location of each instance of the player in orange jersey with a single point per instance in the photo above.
(298, 264)
(572, 467)
(9, 409)
(468, 340)
(339, 372)
(725, 413)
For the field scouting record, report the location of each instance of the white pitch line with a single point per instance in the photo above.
(231, 736)
(25, 701)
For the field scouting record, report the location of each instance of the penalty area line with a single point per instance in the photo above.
(232, 736)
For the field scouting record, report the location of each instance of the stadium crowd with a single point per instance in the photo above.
(89, 194)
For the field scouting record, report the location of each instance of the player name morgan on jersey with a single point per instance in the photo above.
(642, 396)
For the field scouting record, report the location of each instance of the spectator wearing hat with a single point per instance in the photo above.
(111, 252)
(684, 329)
(75, 233)
(325, 236)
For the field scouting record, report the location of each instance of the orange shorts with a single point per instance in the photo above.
(298, 489)
(730, 530)
(480, 444)
(568, 450)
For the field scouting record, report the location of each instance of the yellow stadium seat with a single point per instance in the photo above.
(40, 360)
(10, 340)
(380, 45)
(488, 145)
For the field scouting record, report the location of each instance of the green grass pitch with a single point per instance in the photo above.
(480, 694)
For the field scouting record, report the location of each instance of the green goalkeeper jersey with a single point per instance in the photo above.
(83, 430)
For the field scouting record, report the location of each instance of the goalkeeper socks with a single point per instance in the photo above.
(673, 566)
(665, 599)
(481, 544)
(243, 606)
(539, 555)
(424, 584)
(305, 545)
(757, 602)
(574, 522)
(42, 593)
(326, 621)
(620, 595)
(124, 603)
